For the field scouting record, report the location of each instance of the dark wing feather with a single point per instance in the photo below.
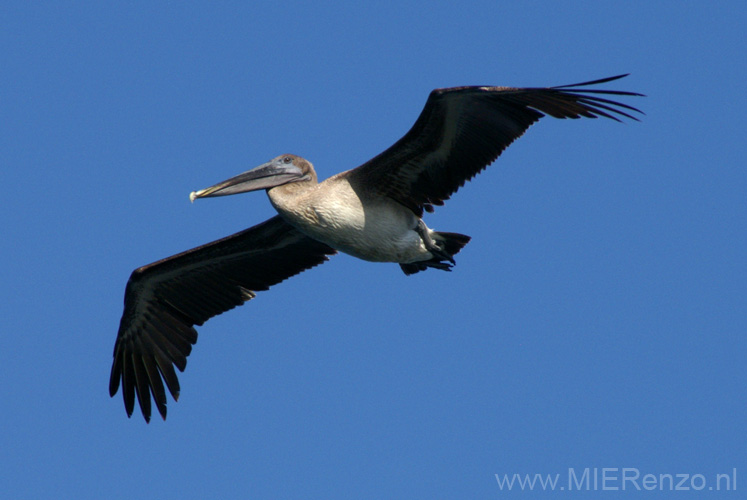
(462, 130)
(164, 300)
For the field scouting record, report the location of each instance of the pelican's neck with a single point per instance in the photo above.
(286, 197)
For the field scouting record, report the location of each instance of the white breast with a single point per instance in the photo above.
(379, 230)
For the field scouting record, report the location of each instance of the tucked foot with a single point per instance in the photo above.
(433, 247)
(442, 246)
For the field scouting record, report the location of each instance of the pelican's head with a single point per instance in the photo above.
(281, 170)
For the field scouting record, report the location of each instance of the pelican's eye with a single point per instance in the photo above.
(287, 159)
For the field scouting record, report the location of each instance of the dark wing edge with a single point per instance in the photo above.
(462, 130)
(164, 300)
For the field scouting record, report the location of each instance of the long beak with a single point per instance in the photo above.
(265, 176)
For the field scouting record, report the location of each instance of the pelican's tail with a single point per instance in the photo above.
(449, 243)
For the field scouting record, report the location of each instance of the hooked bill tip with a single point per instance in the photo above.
(192, 196)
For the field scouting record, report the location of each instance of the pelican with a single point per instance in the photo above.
(373, 212)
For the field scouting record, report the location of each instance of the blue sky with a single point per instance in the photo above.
(596, 320)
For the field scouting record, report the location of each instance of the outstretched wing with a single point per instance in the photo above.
(164, 300)
(462, 130)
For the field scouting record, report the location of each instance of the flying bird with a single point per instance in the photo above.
(373, 212)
